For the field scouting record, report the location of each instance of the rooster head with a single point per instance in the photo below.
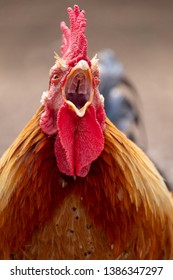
(73, 107)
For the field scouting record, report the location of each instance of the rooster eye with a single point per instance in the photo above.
(55, 76)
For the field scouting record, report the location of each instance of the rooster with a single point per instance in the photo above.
(72, 186)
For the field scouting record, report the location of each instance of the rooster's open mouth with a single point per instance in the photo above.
(78, 92)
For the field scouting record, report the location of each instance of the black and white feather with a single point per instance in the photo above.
(122, 103)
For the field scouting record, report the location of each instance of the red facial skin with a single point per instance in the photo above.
(79, 139)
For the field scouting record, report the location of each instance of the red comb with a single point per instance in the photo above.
(74, 46)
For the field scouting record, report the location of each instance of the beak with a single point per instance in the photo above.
(78, 90)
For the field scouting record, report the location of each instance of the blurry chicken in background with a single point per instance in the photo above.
(122, 101)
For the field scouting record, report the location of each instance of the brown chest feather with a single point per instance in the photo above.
(70, 234)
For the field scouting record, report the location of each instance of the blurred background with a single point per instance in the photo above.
(141, 34)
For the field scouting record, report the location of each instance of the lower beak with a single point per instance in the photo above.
(78, 90)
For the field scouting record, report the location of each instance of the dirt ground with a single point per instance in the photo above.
(141, 33)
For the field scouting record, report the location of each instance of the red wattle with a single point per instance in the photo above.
(79, 141)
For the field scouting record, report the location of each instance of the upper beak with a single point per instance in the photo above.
(78, 90)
